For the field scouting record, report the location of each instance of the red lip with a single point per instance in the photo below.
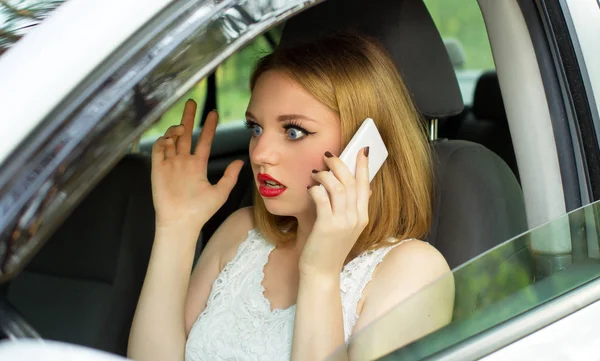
(268, 191)
(265, 177)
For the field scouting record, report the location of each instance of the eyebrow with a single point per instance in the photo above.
(285, 117)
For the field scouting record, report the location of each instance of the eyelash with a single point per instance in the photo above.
(291, 124)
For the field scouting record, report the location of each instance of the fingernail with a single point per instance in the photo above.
(366, 151)
(328, 154)
(315, 171)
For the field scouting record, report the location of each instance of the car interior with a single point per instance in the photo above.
(83, 285)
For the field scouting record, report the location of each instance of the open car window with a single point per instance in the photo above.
(93, 126)
(232, 91)
(500, 297)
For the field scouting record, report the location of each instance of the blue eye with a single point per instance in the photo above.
(256, 129)
(295, 131)
(295, 134)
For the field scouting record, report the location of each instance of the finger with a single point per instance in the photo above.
(344, 175)
(184, 143)
(206, 137)
(174, 131)
(230, 177)
(335, 189)
(170, 151)
(339, 169)
(158, 151)
(363, 190)
(321, 198)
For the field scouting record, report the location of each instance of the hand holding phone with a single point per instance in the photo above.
(366, 135)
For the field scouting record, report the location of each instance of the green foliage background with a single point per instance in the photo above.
(461, 19)
(233, 89)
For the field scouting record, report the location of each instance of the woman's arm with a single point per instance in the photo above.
(319, 327)
(342, 214)
(184, 200)
(157, 331)
(171, 299)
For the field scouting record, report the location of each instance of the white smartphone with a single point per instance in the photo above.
(366, 135)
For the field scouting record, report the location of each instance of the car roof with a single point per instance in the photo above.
(42, 68)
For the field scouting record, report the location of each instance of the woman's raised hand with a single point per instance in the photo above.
(181, 191)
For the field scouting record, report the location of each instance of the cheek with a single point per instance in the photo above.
(308, 160)
(305, 165)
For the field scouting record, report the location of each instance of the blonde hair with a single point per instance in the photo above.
(354, 76)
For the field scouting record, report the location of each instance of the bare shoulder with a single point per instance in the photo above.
(230, 234)
(407, 269)
(414, 288)
(416, 256)
(412, 264)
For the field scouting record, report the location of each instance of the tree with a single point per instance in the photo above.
(17, 17)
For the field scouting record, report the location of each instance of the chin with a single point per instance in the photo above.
(282, 207)
(278, 208)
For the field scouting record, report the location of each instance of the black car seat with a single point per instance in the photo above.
(83, 285)
(478, 201)
(487, 124)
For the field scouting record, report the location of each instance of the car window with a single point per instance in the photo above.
(233, 80)
(173, 46)
(461, 25)
(233, 89)
(505, 284)
(173, 115)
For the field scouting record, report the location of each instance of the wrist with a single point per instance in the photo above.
(327, 271)
(178, 232)
(179, 223)
(323, 279)
(323, 285)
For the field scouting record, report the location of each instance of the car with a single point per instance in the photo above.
(517, 158)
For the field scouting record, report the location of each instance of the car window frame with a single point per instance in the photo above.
(94, 125)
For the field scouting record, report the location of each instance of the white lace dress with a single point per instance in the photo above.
(238, 324)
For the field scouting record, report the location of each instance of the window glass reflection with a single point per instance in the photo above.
(507, 281)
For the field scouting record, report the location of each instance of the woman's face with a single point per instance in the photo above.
(291, 132)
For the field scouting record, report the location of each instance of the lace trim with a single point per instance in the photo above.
(261, 274)
(236, 323)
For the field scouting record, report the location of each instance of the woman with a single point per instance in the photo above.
(307, 266)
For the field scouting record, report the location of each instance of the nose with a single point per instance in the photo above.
(265, 150)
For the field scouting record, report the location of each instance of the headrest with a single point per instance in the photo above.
(487, 101)
(406, 30)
